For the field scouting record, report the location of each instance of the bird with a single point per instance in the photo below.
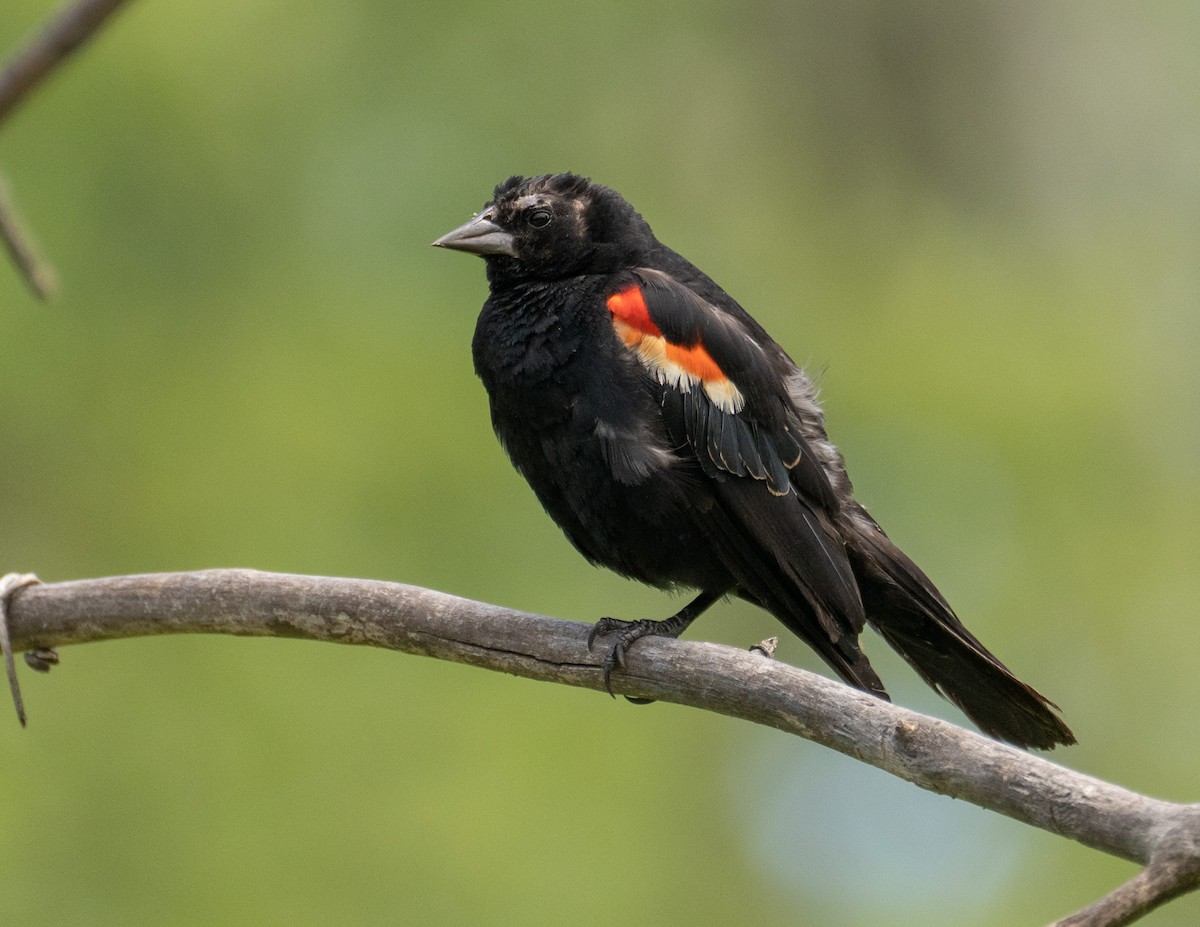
(676, 443)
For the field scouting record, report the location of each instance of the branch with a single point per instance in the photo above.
(933, 754)
(61, 36)
(37, 274)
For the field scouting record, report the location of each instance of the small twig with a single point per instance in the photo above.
(63, 34)
(42, 659)
(9, 584)
(1169, 875)
(38, 275)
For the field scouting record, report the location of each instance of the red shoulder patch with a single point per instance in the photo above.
(674, 364)
(629, 307)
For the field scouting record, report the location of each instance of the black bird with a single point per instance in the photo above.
(676, 443)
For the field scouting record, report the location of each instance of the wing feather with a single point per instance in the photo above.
(747, 449)
(726, 392)
(727, 395)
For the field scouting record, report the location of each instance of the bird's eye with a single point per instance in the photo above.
(540, 218)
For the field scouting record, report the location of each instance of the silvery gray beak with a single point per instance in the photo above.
(479, 236)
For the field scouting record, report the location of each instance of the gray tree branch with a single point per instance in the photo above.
(37, 274)
(25, 70)
(50, 47)
(1162, 836)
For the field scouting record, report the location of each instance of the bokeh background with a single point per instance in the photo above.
(980, 223)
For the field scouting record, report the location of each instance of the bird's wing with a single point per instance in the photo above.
(725, 396)
(727, 388)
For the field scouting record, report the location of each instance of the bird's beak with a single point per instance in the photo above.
(479, 236)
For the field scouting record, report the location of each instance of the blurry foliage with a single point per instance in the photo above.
(980, 222)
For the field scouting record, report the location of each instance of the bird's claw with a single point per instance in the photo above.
(628, 632)
(602, 628)
(615, 658)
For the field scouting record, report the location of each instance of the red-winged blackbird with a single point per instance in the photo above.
(675, 443)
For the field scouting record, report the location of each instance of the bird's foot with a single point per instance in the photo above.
(630, 631)
(626, 633)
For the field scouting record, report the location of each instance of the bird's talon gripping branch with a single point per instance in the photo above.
(9, 584)
(603, 627)
(627, 633)
(615, 658)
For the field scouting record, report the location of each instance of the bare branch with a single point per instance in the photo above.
(38, 275)
(62, 35)
(928, 752)
(1169, 875)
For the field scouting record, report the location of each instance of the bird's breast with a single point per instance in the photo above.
(580, 420)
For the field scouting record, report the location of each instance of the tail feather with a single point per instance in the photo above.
(904, 606)
(826, 613)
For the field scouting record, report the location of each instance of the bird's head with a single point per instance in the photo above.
(553, 226)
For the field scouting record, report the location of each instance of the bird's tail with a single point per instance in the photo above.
(904, 606)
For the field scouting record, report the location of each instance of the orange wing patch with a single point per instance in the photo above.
(673, 364)
(628, 306)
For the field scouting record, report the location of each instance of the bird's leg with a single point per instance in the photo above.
(630, 631)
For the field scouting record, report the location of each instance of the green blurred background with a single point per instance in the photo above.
(981, 222)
